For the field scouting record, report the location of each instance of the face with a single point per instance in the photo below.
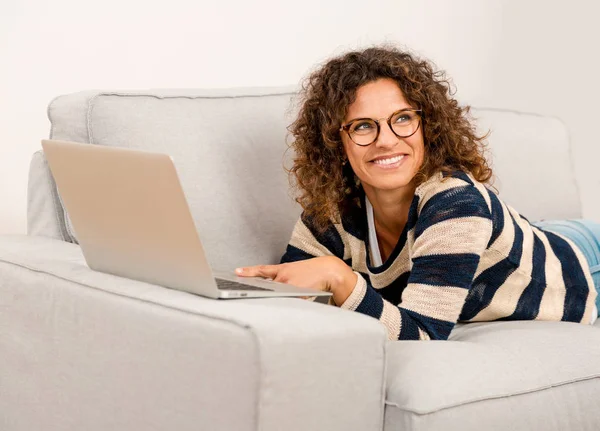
(389, 163)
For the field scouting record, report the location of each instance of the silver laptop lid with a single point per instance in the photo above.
(130, 215)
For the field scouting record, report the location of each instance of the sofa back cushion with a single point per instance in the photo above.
(229, 147)
(229, 150)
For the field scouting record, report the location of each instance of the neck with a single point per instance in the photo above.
(390, 208)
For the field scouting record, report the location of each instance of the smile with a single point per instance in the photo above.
(389, 161)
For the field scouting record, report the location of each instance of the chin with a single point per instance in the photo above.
(391, 183)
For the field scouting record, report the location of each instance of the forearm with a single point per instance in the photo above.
(401, 323)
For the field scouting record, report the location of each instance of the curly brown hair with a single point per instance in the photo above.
(329, 188)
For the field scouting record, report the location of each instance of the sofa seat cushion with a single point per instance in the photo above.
(521, 375)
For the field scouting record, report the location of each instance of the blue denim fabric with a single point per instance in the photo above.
(586, 235)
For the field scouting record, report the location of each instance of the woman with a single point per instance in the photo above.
(398, 222)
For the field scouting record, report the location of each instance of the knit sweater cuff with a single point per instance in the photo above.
(357, 295)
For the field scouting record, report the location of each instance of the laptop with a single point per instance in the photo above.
(131, 218)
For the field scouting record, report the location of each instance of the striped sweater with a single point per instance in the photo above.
(463, 256)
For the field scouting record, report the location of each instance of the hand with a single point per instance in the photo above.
(325, 273)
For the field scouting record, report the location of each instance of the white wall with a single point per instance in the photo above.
(549, 63)
(51, 48)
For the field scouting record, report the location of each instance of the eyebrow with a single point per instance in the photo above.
(408, 108)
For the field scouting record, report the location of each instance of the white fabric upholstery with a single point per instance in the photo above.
(45, 213)
(83, 350)
(497, 376)
(532, 163)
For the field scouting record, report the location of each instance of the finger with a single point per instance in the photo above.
(265, 271)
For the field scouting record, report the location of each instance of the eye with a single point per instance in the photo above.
(362, 126)
(404, 117)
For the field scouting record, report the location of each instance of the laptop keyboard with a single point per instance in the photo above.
(234, 285)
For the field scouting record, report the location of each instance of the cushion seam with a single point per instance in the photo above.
(91, 101)
(384, 374)
(476, 400)
(88, 117)
(56, 203)
(180, 96)
(49, 114)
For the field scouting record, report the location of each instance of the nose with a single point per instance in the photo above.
(386, 138)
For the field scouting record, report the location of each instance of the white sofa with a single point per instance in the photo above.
(82, 350)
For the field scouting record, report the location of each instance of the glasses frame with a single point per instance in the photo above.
(346, 127)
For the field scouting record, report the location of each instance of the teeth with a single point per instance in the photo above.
(389, 161)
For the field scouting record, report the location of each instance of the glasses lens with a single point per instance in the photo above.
(363, 132)
(404, 123)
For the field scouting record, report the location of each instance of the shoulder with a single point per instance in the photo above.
(352, 222)
(331, 238)
(310, 240)
(458, 190)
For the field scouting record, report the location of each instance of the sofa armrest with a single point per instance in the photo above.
(86, 350)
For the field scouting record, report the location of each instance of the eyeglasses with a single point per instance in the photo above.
(364, 131)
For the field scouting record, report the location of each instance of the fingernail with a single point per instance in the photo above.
(239, 270)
